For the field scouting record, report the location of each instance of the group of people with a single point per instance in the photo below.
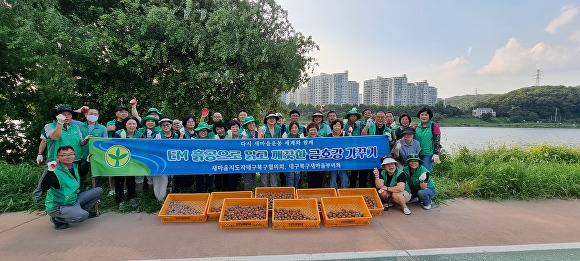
(412, 146)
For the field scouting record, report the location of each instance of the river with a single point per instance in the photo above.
(453, 138)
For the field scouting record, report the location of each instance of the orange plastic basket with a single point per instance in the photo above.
(264, 190)
(217, 199)
(199, 201)
(348, 203)
(364, 192)
(229, 202)
(317, 193)
(308, 207)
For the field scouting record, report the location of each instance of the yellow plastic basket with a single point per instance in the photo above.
(229, 202)
(217, 199)
(364, 192)
(316, 193)
(308, 207)
(264, 190)
(348, 203)
(199, 201)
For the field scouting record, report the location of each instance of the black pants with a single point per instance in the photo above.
(362, 176)
(315, 179)
(120, 188)
(203, 183)
(231, 182)
(182, 182)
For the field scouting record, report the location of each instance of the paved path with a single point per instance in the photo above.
(458, 223)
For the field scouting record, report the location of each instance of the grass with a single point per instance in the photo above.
(537, 172)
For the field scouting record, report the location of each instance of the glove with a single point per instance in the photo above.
(39, 159)
(423, 177)
(89, 157)
(88, 137)
(398, 146)
(133, 101)
(60, 118)
(436, 159)
(182, 129)
(369, 122)
(349, 130)
(393, 125)
(388, 134)
(51, 166)
(149, 132)
(82, 109)
(123, 134)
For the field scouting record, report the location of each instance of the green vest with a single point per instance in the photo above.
(277, 132)
(71, 136)
(413, 180)
(144, 131)
(425, 137)
(173, 135)
(356, 130)
(96, 132)
(67, 194)
(394, 179)
(138, 134)
(373, 129)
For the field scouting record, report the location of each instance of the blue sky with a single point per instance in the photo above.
(458, 46)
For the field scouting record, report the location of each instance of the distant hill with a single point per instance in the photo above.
(468, 102)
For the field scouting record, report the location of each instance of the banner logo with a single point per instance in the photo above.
(117, 156)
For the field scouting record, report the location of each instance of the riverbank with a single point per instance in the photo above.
(535, 172)
(501, 122)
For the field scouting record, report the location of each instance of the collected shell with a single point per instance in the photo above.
(275, 195)
(290, 214)
(239, 212)
(344, 213)
(178, 208)
(370, 201)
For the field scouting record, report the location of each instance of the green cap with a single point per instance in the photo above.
(353, 112)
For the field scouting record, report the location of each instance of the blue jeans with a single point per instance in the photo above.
(343, 179)
(426, 195)
(427, 161)
(292, 179)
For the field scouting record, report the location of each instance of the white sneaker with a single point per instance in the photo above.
(427, 207)
(407, 211)
(414, 200)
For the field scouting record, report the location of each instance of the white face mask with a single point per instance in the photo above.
(92, 118)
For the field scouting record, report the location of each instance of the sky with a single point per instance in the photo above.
(459, 46)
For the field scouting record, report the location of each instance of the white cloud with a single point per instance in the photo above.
(575, 36)
(568, 13)
(508, 59)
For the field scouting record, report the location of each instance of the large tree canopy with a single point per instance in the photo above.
(178, 56)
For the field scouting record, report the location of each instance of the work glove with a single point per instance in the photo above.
(39, 159)
(89, 157)
(123, 134)
(60, 118)
(388, 134)
(149, 132)
(182, 129)
(398, 146)
(423, 177)
(51, 166)
(133, 101)
(350, 130)
(82, 109)
(393, 125)
(435, 159)
(369, 122)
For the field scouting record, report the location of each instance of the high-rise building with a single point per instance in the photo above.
(396, 91)
(327, 89)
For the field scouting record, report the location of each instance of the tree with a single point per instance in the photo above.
(487, 116)
(178, 56)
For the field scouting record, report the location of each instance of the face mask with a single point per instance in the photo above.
(92, 118)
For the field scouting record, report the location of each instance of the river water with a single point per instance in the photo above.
(453, 138)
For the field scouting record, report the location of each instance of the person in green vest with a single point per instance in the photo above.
(64, 202)
(249, 131)
(130, 131)
(89, 129)
(420, 181)
(150, 125)
(203, 182)
(392, 185)
(323, 128)
(428, 134)
(270, 130)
